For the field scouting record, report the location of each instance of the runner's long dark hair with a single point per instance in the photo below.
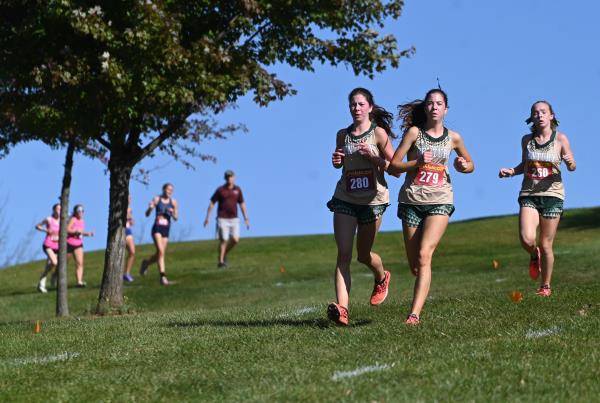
(413, 113)
(379, 115)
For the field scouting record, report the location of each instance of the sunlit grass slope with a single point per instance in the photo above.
(257, 331)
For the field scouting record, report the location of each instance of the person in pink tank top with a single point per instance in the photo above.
(50, 226)
(75, 233)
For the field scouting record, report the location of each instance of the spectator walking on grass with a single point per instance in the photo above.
(363, 151)
(227, 198)
(426, 197)
(542, 191)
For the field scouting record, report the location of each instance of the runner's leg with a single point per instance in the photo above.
(364, 243)
(433, 229)
(529, 220)
(548, 227)
(412, 242)
(344, 227)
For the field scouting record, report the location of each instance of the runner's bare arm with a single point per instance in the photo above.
(70, 230)
(245, 214)
(210, 207)
(337, 158)
(382, 154)
(397, 166)
(463, 163)
(566, 152)
(175, 210)
(42, 226)
(151, 206)
(518, 170)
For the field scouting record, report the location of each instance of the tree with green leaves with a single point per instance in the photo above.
(141, 76)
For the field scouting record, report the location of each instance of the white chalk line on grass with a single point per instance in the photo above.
(338, 375)
(299, 312)
(536, 334)
(66, 356)
(500, 280)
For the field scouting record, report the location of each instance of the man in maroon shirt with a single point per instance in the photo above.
(227, 198)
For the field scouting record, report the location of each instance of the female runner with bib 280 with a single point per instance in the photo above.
(542, 192)
(166, 208)
(361, 196)
(426, 197)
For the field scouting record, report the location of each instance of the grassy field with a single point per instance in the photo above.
(258, 332)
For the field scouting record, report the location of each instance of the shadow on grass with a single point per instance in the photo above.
(51, 291)
(583, 219)
(316, 323)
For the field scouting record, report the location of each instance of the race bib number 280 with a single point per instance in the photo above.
(430, 175)
(360, 180)
(538, 170)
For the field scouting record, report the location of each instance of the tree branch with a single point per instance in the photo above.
(104, 143)
(172, 127)
(258, 31)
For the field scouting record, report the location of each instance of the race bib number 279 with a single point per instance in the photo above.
(360, 180)
(430, 175)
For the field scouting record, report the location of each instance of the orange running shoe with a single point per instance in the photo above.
(338, 314)
(535, 265)
(412, 320)
(380, 291)
(544, 291)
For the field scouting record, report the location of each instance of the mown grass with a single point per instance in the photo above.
(258, 332)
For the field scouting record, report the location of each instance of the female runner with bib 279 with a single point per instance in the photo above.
(426, 197)
(361, 196)
(542, 191)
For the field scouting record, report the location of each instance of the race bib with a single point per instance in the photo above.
(160, 220)
(538, 170)
(430, 175)
(360, 180)
(54, 238)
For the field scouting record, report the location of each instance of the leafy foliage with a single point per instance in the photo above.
(127, 71)
(126, 78)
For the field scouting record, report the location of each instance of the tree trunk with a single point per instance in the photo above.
(62, 304)
(111, 290)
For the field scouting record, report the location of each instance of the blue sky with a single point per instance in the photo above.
(494, 59)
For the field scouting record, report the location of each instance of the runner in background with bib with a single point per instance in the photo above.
(75, 234)
(426, 197)
(361, 196)
(166, 208)
(50, 226)
(542, 191)
(129, 243)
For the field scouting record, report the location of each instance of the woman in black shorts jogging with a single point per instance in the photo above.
(166, 209)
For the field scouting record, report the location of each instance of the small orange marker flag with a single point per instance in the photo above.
(37, 328)
(282, 269)
(495, 264)
(516, 296)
